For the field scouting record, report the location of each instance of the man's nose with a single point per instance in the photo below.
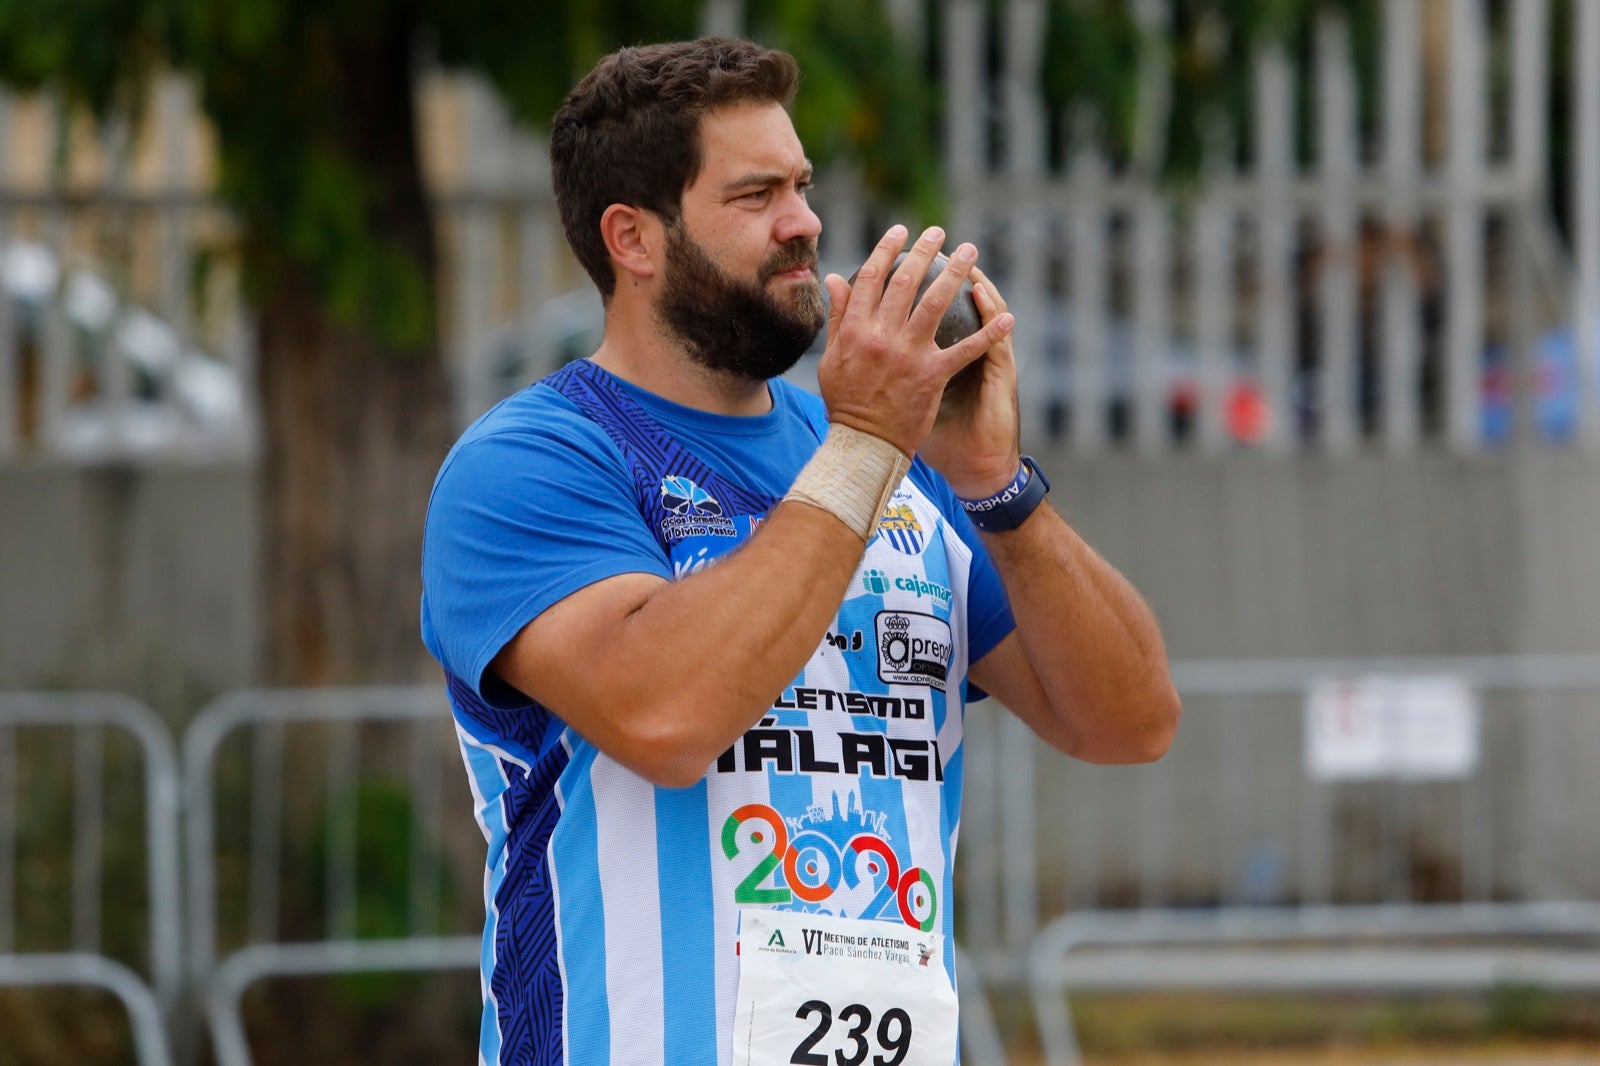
(799, 221)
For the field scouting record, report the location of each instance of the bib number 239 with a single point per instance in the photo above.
(888, 1045)
(821, 991)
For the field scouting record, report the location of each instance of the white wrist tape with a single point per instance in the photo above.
(851, 477)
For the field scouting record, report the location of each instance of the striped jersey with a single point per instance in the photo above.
(612, 904)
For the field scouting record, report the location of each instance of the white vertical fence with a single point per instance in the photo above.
(1337, 153)
(1408, 282)
(114, 343)
(1402, 166)
(1586, 206)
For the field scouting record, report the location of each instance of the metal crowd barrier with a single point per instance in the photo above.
(86, 963)
(342, 713)
(1290, 919)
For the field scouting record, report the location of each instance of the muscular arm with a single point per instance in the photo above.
(663, 676)
(1085, 668)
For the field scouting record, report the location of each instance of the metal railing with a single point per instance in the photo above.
(340, 948)
(86, 716)
(1452, 887)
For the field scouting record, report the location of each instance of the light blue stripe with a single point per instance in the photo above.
(936, 564)
(688, 926)
(953, 784)
(491, 784)
(580, 911)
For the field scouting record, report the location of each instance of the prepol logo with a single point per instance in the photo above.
(876, 581)
(913, 649)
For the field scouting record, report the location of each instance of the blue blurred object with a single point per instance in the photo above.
(1558, 385)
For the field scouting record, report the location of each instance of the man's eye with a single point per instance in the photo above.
(757, 197)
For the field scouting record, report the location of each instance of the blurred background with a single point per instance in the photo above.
(1308, 296)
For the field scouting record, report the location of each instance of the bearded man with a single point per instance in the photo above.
(709, 638)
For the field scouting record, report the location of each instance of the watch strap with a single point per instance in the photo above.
(1010, 507)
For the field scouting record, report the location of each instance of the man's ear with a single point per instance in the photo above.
(635, 238)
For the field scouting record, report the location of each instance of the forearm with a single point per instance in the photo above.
(1104, 688)
(663, 676)
(673, 672)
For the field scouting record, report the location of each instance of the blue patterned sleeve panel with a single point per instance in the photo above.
(529, 507)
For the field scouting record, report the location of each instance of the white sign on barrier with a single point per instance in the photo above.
(1404, 727)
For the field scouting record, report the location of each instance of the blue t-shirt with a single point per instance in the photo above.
(613, 902)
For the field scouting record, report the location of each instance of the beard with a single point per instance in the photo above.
(734, 327)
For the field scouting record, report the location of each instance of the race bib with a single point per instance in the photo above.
(815, 990)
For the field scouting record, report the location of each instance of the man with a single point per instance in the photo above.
(708, 641)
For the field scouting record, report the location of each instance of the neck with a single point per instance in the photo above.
(643, 352)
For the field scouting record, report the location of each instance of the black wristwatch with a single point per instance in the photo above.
(1008, 508)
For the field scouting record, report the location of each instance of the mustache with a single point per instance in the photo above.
(801, 253)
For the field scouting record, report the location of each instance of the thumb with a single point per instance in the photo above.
(838, 300)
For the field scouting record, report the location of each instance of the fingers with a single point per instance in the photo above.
(985, 293)
(990, 306)
(937, 299)
(902, 290)
(868, 291)
(838, 301)
(992, 335)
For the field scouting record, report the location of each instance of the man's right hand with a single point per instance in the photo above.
(882, 373)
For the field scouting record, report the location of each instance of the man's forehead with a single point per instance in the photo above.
(748, 139)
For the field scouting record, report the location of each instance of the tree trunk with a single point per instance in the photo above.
(353, 436)
(354, 427)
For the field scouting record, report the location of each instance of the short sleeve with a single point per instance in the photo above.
(519, 519)
(989, 618)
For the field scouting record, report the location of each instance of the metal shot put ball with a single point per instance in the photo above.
(961, 320)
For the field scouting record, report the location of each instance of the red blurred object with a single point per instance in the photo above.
(1247, 413)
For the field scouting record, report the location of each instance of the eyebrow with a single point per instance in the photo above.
(761, 178)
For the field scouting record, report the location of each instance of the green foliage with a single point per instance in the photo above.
(863, 94)
(94, 49)
(311, 102)
(1525, 1010)
(1205, 62)
(387, 834)
(311, 99)
(535, 52)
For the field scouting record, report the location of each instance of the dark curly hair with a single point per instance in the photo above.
(629, 132)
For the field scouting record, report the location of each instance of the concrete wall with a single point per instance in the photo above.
(141, 579)
(107, 573)
(1250, 557)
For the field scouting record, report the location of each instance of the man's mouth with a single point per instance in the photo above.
(793, 269)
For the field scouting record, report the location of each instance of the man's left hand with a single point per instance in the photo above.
(978, 446)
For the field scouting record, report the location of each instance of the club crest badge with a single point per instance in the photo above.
(900, 528)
